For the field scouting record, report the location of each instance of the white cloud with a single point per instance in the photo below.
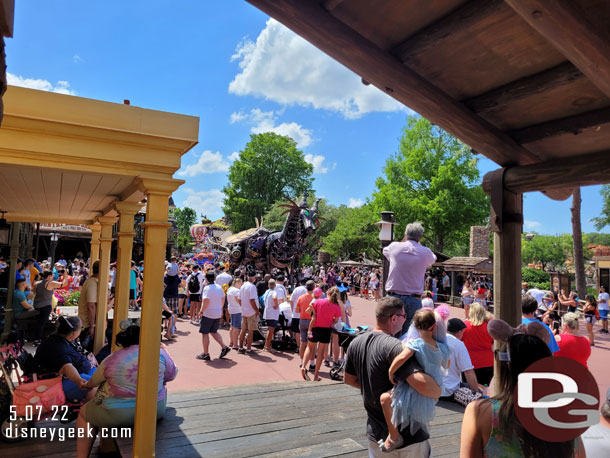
(233, 157)
(355, 203)
(62, 87)
(208, 203)
(283, 67)
(532, 225)
(208, 162)
(77, 59)
(317, 161)
(265, 121)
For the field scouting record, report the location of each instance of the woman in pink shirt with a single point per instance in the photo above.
(325, 312)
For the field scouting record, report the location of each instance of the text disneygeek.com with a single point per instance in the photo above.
(61, 434)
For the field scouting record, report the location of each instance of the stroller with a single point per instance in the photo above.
(345, 338)
(284, 342)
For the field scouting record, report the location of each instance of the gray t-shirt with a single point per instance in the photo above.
(369, 357)
(597, 441)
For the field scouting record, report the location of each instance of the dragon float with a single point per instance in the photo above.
(259, 249)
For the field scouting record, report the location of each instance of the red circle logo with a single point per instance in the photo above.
(556, 399)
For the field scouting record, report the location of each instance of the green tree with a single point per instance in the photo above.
(354, 234)
(550, 250)
(434, 179)
(185, 218)
(604, 219)
(269, 167)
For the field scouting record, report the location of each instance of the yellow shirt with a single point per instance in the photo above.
(88, 293)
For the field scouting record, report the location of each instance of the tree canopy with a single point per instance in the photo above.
(604, 219)
(354, 234)
(434, 179)
(550, 250)
(269, 167)
(185, 218)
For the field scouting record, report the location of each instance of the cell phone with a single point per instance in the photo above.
(556, 325)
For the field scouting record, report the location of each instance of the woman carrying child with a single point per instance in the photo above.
(426, 340)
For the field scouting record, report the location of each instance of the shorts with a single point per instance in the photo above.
(271, 323)
(209, 325)
(236, 320)
(72, 391)
(320, 335)
(294, 325)
(603, 314)
(132, 294)
(181, 296)
(99, 415)
(590, 319)
(249, 322)
(166, 314)
(172, 303)
(304, 328)
(195, 297)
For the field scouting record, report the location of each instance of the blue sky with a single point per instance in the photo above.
(241, 73)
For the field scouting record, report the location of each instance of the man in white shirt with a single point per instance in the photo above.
(603, 299)
(536, 294)
(280, 289)
(459, 362)
(296, 316)
(211, 311)
(234, 309)
(272, 311)
(249, 312)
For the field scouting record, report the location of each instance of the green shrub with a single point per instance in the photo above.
(534, 275)
(72, 299)
(544, 285)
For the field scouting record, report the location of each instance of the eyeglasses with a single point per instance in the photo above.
(402, 315)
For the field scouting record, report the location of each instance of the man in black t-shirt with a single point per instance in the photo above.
(367, 363)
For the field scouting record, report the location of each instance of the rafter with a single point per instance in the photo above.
(315, 24)
(567, 28)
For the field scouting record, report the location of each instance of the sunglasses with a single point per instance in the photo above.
(402, 315)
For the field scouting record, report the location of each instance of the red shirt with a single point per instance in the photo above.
(325, 312)
(479, 345)
(577, 348)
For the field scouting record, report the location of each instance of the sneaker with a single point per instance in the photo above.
(224, 352)
(249, 351)
(241, 351)
(326, 363)
(312, 367)
(204, 356)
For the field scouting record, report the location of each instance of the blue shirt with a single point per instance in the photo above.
(18, 297)
(133, 284)
(552, 343)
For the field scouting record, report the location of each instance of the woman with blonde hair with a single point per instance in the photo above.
(479, 343)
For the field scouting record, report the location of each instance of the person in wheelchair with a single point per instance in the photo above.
(59, 353)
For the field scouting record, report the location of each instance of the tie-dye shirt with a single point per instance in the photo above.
(120, 372)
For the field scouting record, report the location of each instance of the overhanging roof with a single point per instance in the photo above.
(471, 264)
(68, 159)
(520, 81)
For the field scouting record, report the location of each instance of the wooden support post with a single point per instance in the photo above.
(125, 235)
(95, 242)
(454, 286)
(155, 240)
(105, 242)
(12, 273)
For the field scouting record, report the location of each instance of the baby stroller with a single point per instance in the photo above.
(345, 338)
(284, 342)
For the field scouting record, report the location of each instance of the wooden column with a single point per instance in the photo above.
(95, 242)
(454, 286)
(155, 241)
(125, 235)
(106, 223)
(12, 273)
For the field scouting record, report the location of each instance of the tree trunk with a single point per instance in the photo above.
(579, 261)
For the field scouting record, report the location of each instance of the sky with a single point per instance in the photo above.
(241, 73)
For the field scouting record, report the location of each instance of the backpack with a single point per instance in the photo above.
(194, 284)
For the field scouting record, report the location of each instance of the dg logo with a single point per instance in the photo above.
(557, 399)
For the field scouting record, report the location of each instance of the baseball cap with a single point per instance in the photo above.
(455, 325)
(317, 292)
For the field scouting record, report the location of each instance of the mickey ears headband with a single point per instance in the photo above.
(500, 330)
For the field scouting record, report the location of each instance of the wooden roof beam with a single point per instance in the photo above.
(567, 28)
(554, 175)
(461, 18)
(330, 5)
(503, 96)
(571, 124)
(342, 43)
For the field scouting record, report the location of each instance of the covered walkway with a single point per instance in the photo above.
(72, 160)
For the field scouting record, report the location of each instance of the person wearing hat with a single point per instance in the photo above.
(459, 362)
(596, 439)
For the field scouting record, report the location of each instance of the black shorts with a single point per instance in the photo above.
(132, 294)
(195, 297)
(294, 325)
(320, 335)
(166, 314)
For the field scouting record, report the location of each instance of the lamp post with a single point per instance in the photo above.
(54, 240)
(386, 236)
